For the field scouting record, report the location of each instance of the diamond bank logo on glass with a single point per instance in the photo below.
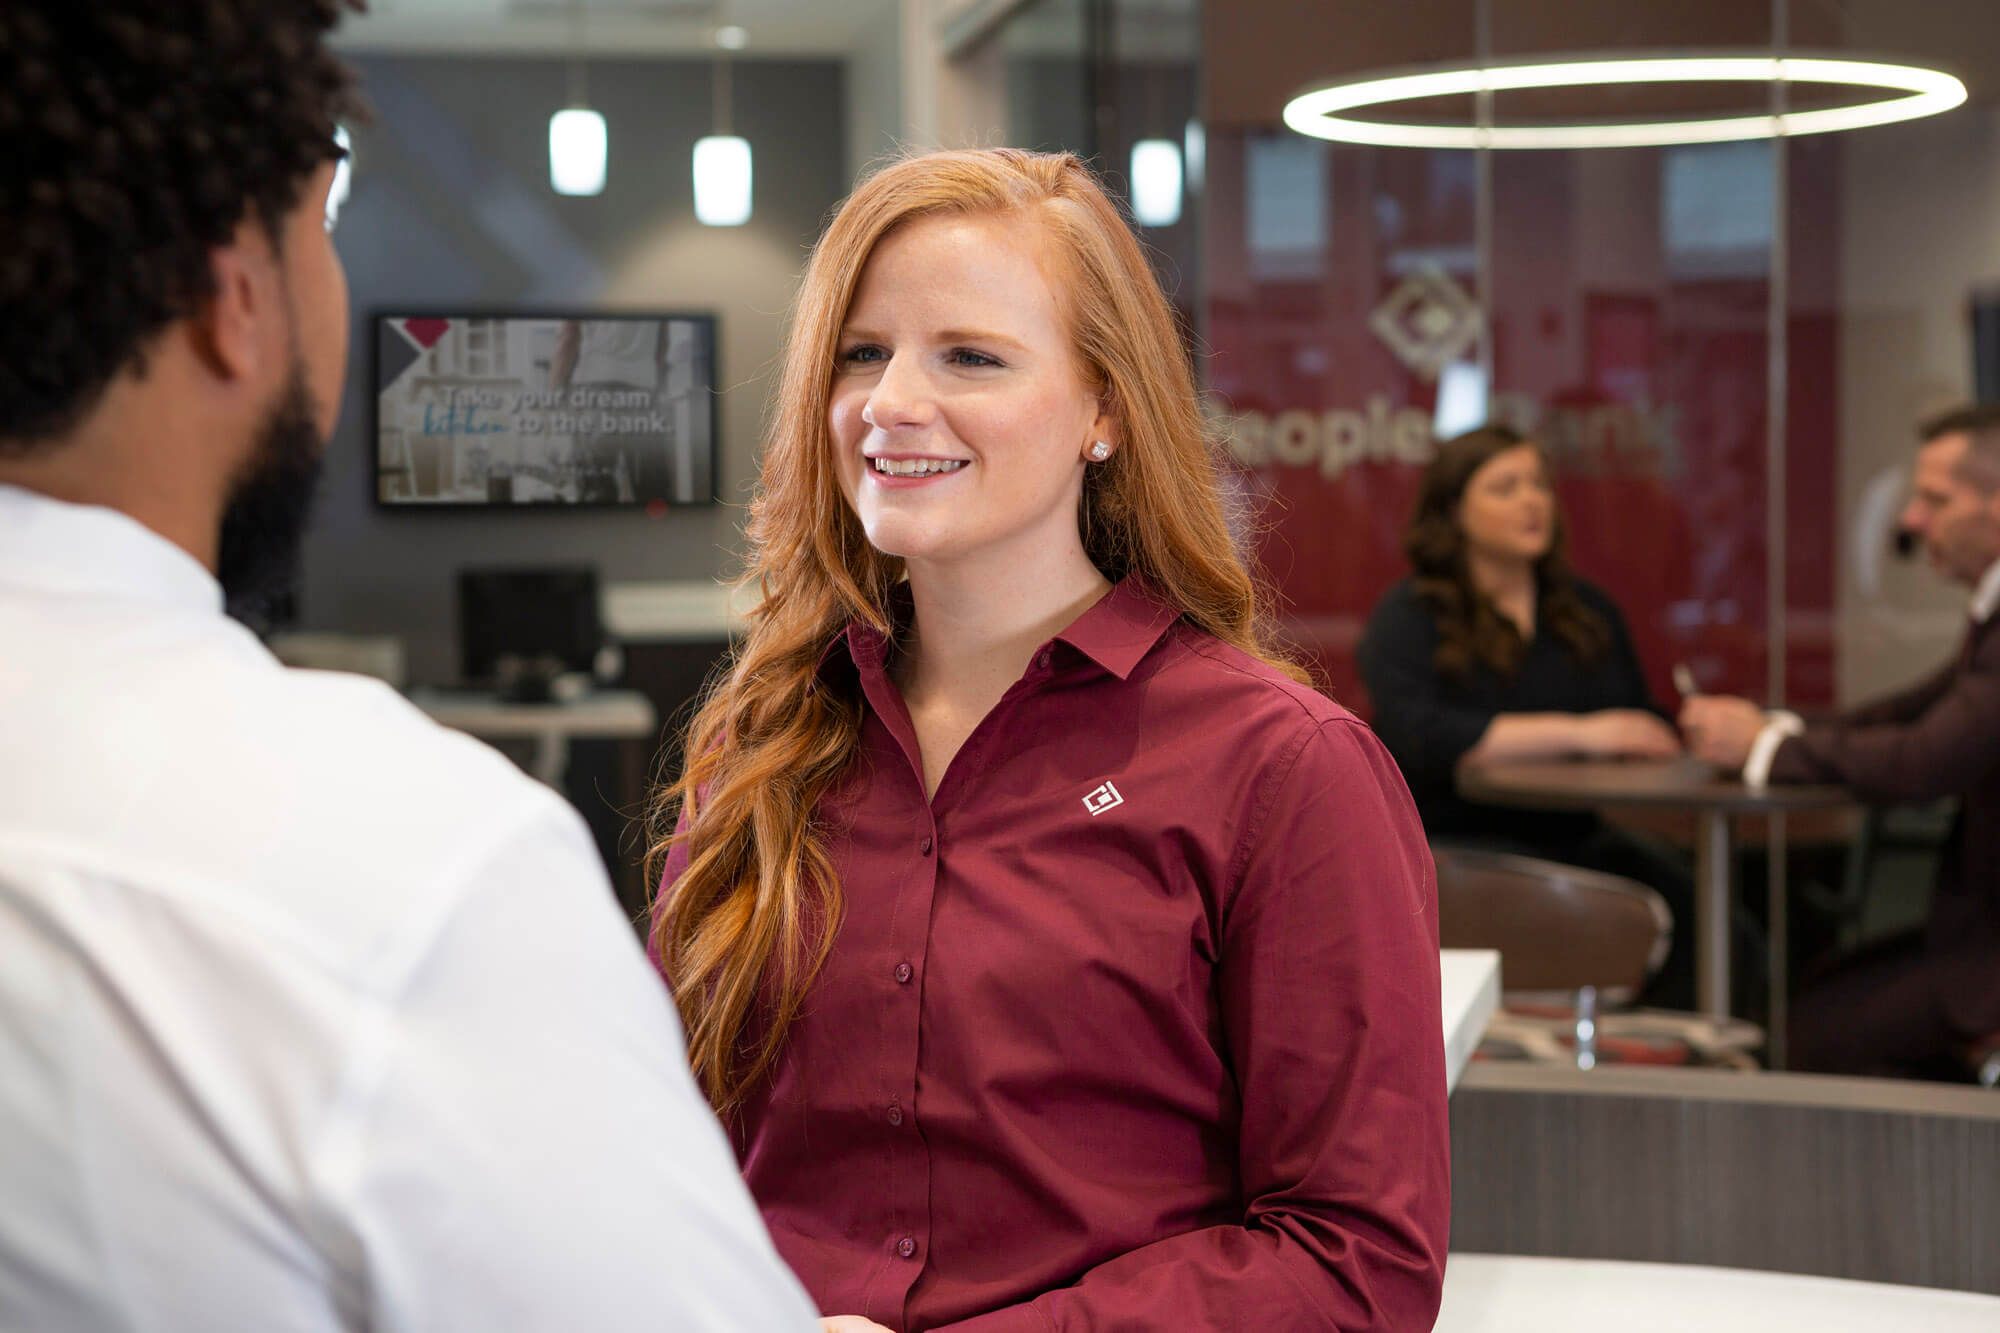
(1101, 799)
(1428, 321)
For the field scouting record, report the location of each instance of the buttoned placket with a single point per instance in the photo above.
(911, 942)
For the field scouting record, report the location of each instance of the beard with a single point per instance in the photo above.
(264, 524)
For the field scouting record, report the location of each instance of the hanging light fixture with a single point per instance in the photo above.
(578, 142)
(1158, 179)
(578, 146)
(1194, 140)
(1317, 111)
(1156, 182)
(722, 168)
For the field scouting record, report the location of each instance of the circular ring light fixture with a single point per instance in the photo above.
(1919, 92)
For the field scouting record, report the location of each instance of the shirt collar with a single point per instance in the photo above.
(1116, 633)
(867, 646)
(1122, 627)
(53, 546)
(1986, 597)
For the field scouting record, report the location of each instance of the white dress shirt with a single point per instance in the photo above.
(313, 1015)
(1783, 723)
(1986, 597)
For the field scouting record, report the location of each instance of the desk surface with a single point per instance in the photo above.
(606, 713)
(1489, 1293)
(1680, 783)
(1471, 992)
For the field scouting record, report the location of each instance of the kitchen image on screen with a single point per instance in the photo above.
(545, 410)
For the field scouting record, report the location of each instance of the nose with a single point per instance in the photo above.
(1911, 520)
(901, 398)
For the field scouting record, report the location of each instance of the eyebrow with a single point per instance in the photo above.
(945, 336)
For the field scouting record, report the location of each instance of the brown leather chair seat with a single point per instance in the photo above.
(1571, 942)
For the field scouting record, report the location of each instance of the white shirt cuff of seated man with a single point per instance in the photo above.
(1764, 750)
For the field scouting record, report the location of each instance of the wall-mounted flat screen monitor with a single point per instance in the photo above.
(527, 410)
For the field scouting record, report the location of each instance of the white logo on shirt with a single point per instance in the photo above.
(1104, 798)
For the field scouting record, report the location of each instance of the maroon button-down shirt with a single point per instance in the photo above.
(1134, 1026)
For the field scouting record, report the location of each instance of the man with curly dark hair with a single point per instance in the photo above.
(162, 161)
(312, 1016)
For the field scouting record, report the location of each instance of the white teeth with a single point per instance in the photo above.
(915, 467)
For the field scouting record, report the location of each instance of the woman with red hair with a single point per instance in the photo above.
(1057, 958)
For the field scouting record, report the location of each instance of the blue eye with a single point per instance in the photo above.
(965, 356)
(866, 353)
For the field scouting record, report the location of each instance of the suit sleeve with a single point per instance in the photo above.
(1329, 1003)
(1906, 705)
(1938, 740)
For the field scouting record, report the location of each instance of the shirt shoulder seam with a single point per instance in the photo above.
(1199, 642)
(1279, 774)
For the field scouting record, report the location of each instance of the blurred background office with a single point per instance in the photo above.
(1722, 346)
(573, 230)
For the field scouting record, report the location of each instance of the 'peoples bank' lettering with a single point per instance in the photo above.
(1612, 439)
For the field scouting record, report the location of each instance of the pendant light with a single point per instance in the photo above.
(1156, 182)
(1918, 91)
(722, 170)
(578, 141)
(1157, 178)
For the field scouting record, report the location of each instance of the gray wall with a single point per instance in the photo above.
(875, 121)
(451, 209)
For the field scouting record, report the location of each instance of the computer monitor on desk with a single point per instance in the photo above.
(518, 629)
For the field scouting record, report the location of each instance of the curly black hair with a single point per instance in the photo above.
(136, 136)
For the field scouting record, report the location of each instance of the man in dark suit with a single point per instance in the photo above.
(1909, 1004)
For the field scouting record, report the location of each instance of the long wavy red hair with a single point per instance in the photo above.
(744, 930)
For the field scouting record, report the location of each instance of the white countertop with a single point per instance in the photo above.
(1471, 992)
(1490, 1293)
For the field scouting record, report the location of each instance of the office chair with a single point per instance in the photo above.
(1573, 944)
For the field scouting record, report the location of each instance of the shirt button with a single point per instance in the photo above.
(903, 973)
(895, 1114)
(907, 1247)
(926, 846)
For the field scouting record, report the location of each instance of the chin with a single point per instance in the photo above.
(895, 534)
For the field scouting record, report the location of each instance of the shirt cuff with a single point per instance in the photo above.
(1764, 750)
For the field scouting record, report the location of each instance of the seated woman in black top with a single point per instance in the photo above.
(1493, 649)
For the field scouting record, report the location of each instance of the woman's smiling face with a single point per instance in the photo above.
(959, 416)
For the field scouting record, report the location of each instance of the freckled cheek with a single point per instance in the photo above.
(846, 429)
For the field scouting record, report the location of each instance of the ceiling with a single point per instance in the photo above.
(1145, 29)
(618, 27)
(1258, 53)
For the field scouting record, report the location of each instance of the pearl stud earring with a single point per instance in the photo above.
(1100, 451)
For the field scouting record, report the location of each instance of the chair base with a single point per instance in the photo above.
(1546, 1034)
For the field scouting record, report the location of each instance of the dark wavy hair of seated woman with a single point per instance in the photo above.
(1471, 629)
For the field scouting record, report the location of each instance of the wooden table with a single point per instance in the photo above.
(1665, 784)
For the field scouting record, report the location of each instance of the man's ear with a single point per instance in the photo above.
(230, 329)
